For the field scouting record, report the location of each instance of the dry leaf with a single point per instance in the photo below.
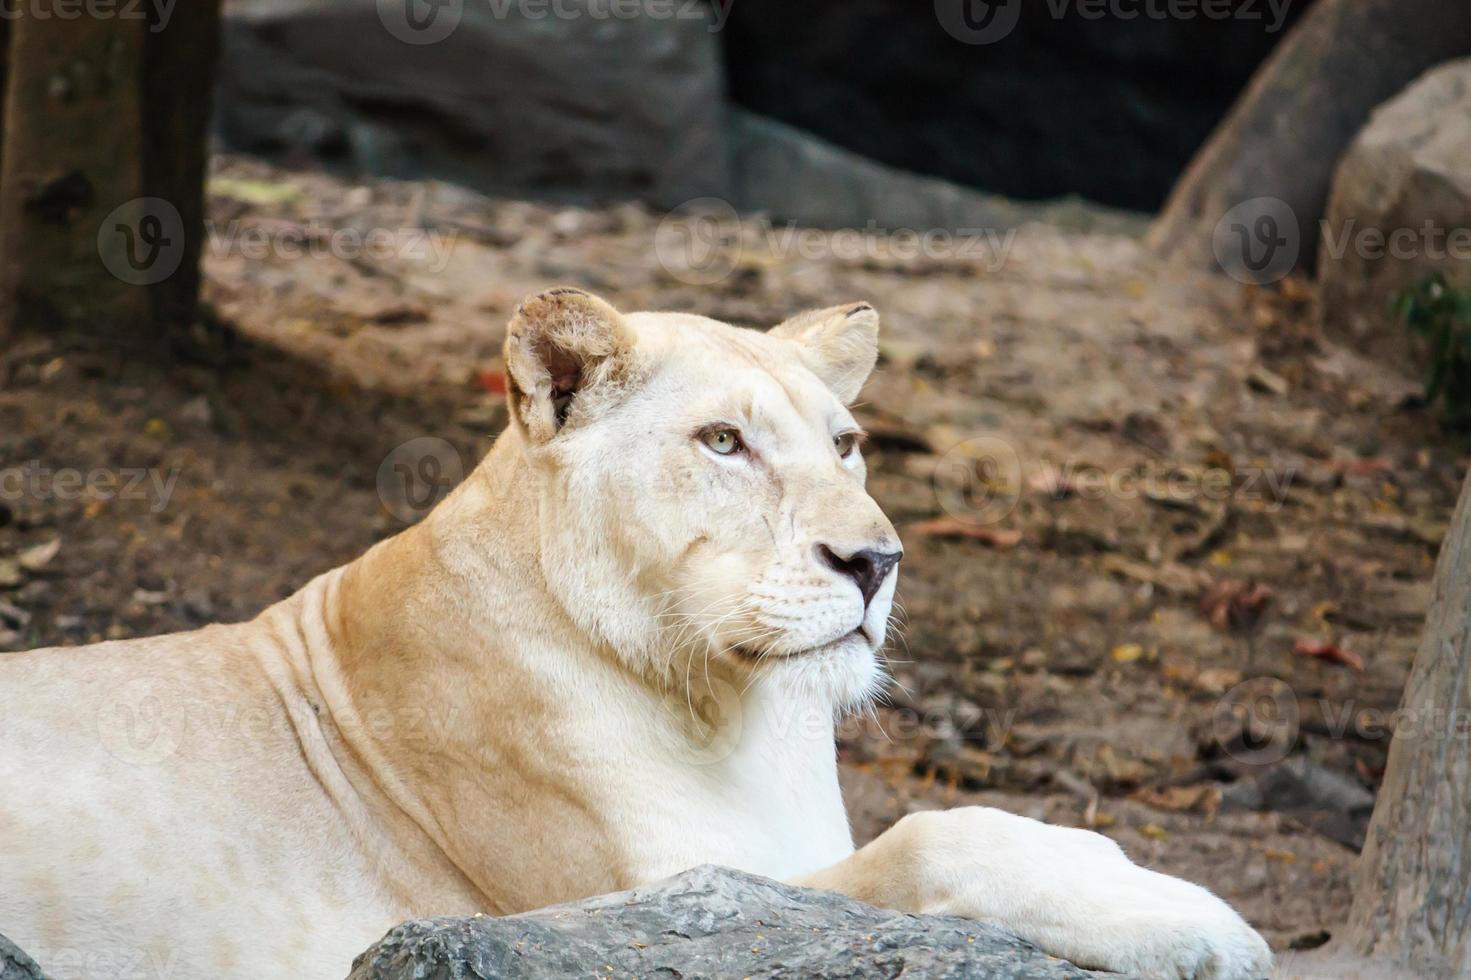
(1173, 577)
(1204, 799)
(37, 558)
(1235, 603)
(1154, 831)
(1216, 680)
(1000, 538)
(1126, 653)
(1331, 652)
(492, 381)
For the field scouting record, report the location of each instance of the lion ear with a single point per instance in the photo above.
(559, 343)
(839, 344)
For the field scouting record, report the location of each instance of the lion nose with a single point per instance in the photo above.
(868, 567)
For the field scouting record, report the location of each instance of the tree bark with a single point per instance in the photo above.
(1301, 110)
(102, 169)
(1412, 901)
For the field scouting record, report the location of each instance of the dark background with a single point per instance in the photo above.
(1110, 109)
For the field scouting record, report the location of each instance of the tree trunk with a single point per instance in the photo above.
(1412, 902)
(102, 169)
(1301, 110)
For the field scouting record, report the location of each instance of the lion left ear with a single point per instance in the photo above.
(839, 344)
(559, 343)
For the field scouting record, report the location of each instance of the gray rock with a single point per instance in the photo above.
(795, 176)
(708, 922)
(1409, 169)
(15, 964)
(573, 98)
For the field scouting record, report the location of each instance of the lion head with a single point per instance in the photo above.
(700, 488)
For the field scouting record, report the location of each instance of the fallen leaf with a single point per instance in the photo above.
(252, 191)
(37, 558)
(1361, 466)
(1173, 577)
(1126, 653)
(492, 381)
(1216, 680)
(1154, 831)
(999, 538)
(1235, 603)
(1266, 381)
(1204, 799)
(1331, 652)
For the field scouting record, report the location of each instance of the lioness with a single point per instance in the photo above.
(614, 652)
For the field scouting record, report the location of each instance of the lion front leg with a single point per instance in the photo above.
(1071, 892)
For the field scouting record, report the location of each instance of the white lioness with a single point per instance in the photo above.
(614, 652)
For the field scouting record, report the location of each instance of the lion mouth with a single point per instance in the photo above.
(753, 655)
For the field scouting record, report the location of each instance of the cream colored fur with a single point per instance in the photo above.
(611, 654)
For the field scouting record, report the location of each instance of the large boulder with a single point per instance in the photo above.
(1399, 210)
(573, 96)
(708, 922)
(795, 176)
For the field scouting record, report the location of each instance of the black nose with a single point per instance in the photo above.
(867, 567)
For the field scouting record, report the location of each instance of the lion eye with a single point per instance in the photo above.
(722, 441)
(846, 443)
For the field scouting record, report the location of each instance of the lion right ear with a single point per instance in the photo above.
(559, 343)
(839, 344)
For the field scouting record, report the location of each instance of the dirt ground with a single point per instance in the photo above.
(1168, 548)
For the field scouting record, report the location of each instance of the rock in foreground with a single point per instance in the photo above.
(15, 964)
(708, 922)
